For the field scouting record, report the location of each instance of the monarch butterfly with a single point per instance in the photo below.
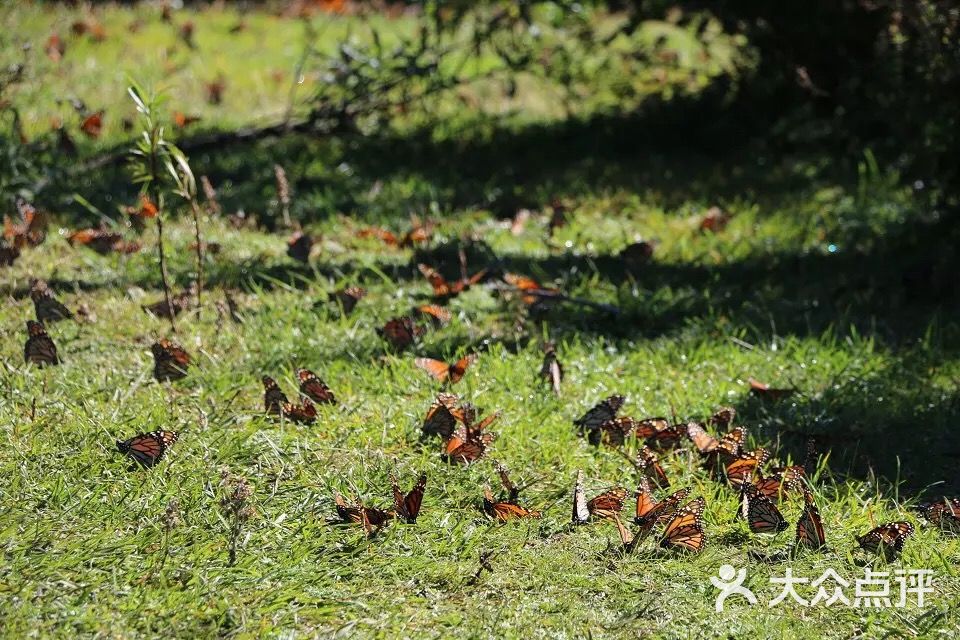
(460, 451)
(315, 388)
(551, 370)
(420, 233)
(387, 237)
(667, 437)
(178, 304)
(723, 417)
(348, 297)
(273, 398)
(503, 510)
(649, 463)
(685, 530)
(763, 390)
(182, 120)
(407, 506)
(649, 426)
(170, 360)
(528, 287)
(627, 539)
(581, 514)
(147, 209)
(888, 538)
(512, 491)
(441, 418)
(47, 307)
(605, 410)
(371, 518)
(401, 332)
(103, 241)
(945, 514)
(468, 442)
(148, 448)
(444, 289)
(729, 445)
(304, 413)
(782, 480)
(651, 512)
(39, 348)
(608, 504)
(742, 469)
(92, 125)
(299, 246)
(435, 313)
(759, 511)
(30, 230)
(810, 526)
(612, 432)
(442, 371)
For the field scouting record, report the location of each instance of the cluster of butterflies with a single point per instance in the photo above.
(726, 460)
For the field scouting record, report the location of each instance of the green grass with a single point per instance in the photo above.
(812, 284)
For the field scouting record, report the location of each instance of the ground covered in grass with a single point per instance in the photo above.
(814, 284)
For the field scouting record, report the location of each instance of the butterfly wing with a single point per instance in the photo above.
(459, 368)
(315, 388)
(39, 348)
(888, 537)
(581, 513)
(440, 419)
(810, 526)
(147, 449)
(650, 464)
(273, 397)
(606, 410)
(441, 288)
(608, 504)
(685, 530)
(762, 515)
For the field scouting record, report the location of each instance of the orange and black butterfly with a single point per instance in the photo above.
(469, 443)
(551, 370)
(444, 372)
(607, 505)
(348, 297)
(787, 479)
(759, 511)
(299, 246)
(651, 512)
(512, 490)
(606, 410)
(649, 463)
(763, 390)
(613, 432)
(717, 454)
(39, 348)
(29, 231)
(442, 416)
(182, 120)
(170, 360)
(944, 513)
(315, 388)
(810, 525)
(46, 306)
(401, 332)
(887, 538)
(684, 531)
(443, 289)
(742, 470)
(435, 313)
(304, 413)
(531, 291)
(92, 125)
(407, 506)
(273, 398)
(723, 417)
(371, 518)
(668, 437)
(147, 449)
(103, 241)
(627, 539)
(503, 510)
